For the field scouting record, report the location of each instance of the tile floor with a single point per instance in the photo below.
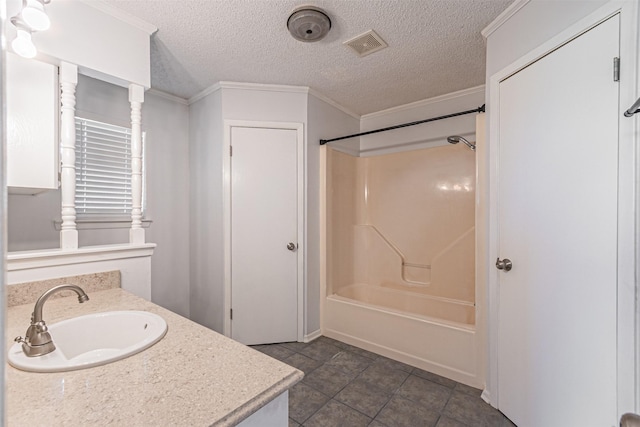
(350, 387)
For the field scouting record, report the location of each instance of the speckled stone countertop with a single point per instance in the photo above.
(192, 377)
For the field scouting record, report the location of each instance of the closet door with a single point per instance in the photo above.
(264, 235)
(557, 216)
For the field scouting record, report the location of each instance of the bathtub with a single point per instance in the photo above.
(434, 334)
(443, 310)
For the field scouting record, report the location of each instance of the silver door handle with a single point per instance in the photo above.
(630, 420)
(291, 246)
(505, 264)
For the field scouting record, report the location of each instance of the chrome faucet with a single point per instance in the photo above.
(37, 340)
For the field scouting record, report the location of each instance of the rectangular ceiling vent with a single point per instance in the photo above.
(366, 43)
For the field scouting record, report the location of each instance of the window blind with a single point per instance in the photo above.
(103, 169)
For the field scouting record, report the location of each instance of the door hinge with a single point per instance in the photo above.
(616, 69)
(231, 313)
(230, 150)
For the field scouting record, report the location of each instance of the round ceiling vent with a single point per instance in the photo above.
(308, 24)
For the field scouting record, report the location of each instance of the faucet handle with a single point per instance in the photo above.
(41, 335)
(38, 340)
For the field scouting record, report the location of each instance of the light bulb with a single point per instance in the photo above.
(22, 44)
(34, 16)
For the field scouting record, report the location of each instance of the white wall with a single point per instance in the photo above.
(425, 135)
(324, 121)
(30, 218)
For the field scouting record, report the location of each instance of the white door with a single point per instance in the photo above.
(557, 216)
(264, 227)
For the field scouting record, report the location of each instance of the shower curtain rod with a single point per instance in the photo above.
(404, 125)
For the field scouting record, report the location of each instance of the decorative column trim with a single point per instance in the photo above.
(136, 98)
(68, 83)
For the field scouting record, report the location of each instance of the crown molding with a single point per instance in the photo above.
(287, 88)
(263, 87)
(252, 86)
(168, 96)
(206, 92)
(303, 89)
(247, 86)
(424, 102)
(333, 103)
(503, 17)
(122, 15)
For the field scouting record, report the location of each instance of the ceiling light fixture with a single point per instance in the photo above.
(34, 16)
(22, 44)
(308, 24)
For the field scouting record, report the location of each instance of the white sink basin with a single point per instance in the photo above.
(93, 340)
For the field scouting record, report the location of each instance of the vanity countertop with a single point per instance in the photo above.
(193, 376)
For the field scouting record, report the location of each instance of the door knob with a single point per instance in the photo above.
(291, 246)
(505, 264)
(630, 420)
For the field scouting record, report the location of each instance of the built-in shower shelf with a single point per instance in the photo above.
(416, 274)
(412, 274)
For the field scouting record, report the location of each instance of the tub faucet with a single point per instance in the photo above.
(37, 340)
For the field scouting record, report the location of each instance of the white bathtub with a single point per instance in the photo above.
(436, 335)
(456, 313)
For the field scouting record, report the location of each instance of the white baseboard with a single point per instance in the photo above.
(313, 335)
(486, 396)
(427, 365)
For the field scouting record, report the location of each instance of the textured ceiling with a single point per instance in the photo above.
(435, 47)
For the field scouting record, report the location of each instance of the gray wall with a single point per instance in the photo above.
(205, 208)
(30, 221)
(324, 122)
(165, 121)
(167, 161)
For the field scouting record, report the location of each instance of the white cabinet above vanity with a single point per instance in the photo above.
(119, 53)
(32, 125)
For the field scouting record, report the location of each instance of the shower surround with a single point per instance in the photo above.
(400, 256)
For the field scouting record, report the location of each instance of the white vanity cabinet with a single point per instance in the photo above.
(32, 125)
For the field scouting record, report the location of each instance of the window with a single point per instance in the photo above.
(103, 170)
